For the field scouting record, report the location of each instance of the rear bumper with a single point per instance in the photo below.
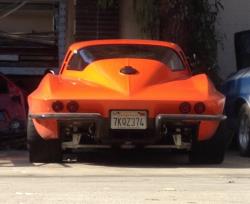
(65, 116)
(193, 117)
(182, 117)
(152, 135)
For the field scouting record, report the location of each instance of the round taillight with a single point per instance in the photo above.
(199, 108)
(57, 106)
(72, 106)
(185, 107)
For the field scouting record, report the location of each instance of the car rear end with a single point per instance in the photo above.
(169, 124)
(125, 93)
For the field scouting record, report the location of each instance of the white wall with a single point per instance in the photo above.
(234, 18)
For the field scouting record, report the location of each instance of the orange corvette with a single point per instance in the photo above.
(121, 93)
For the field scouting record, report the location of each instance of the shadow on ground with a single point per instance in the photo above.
(150, 159)
(125, 158)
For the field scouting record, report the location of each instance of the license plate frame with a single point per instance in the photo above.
(128, 119)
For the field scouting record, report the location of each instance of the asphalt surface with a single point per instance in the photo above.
(104, 176)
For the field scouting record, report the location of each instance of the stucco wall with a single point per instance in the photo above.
(234, 18)
(129, 27)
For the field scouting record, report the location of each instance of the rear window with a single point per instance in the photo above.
(85, 56)
(76, 62)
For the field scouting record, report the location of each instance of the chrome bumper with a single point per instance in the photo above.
(154, 125)
(190, 117)
(65, 116)
(182, 117)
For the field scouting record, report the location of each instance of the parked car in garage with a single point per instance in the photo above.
(13, 108)
(237, 91)
(237, 108)
(126, 92)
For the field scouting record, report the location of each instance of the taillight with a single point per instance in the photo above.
(185, 107)
(199, 108)
(57, 106)
(73, 106)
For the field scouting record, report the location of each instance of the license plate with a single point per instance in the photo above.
(129, 120)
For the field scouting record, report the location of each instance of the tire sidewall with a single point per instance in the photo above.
(211, 151)
(244, 112)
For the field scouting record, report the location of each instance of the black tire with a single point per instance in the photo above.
(40, 150)
(211, 151)
(243, 133)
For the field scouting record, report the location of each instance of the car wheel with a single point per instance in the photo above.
(211, 151)
(40, 150)
(243, 135)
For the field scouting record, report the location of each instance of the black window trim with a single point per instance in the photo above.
(179, 54)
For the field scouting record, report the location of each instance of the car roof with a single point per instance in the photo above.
(79, 45)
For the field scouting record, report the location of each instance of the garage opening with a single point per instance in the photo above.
(29, 39)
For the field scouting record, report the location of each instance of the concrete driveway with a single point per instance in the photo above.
(105, 176)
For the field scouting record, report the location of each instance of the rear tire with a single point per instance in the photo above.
(243, 133)
(40, 150)
(211, 151)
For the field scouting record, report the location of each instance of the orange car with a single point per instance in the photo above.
(122, 93)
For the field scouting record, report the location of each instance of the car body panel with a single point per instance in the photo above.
(236, 89)
(101, 88)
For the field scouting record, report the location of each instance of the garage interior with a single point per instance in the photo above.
(28, 40)
(35, 34)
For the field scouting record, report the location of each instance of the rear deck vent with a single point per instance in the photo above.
(128, 70)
